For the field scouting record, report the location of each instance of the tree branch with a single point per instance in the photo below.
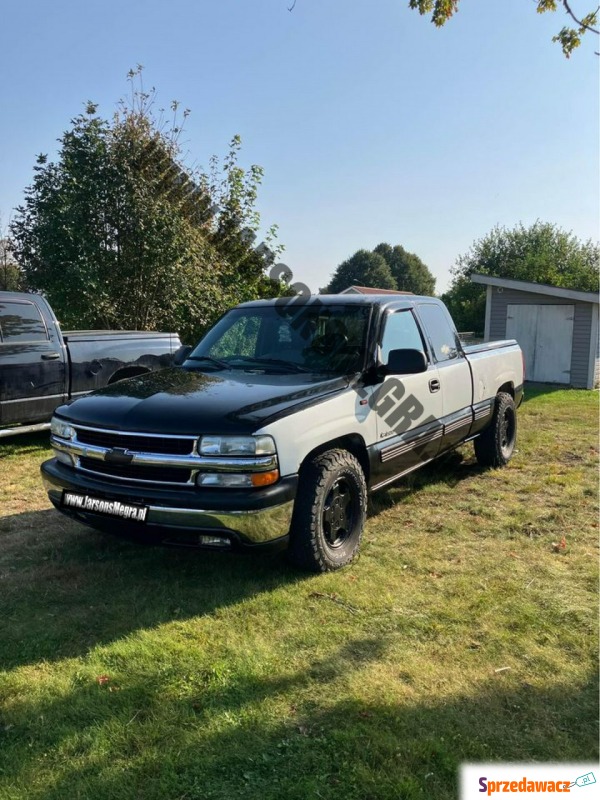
(579, 22)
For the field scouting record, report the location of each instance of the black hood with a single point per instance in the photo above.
(182, 401)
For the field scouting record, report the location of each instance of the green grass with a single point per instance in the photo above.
(140, 672)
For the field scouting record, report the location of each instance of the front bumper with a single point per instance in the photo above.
(245, 518)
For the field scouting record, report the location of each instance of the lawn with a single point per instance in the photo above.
(466, 631)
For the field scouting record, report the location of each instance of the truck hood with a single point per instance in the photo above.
(182, 401)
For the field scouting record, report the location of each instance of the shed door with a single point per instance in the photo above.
(545, 334)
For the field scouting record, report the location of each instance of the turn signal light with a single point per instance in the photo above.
(264, 478)
(231, 480)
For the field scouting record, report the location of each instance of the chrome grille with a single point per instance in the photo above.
(136, 443)
(135, 472)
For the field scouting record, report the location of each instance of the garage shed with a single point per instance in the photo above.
(556, 328)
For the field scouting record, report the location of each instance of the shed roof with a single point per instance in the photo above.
(536, 288)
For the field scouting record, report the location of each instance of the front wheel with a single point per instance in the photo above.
(495, 446)
(329, 513)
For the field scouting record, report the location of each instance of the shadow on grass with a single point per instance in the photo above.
(65, 588)
(450, 470)
(24, 443)
(218, 742)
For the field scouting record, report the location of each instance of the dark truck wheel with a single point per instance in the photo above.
(329, 513)
(495, 446)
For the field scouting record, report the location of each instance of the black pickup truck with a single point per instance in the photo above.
(42, 367)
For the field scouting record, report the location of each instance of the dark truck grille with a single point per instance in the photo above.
(137, 443)
(141, 444)
(135, 471)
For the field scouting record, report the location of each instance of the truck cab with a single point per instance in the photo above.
(33, 362)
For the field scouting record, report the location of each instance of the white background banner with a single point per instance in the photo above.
(580, 781)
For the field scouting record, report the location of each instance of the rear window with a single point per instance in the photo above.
(21, 322)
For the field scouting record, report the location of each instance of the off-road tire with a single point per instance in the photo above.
(331, 492)
(495, 446)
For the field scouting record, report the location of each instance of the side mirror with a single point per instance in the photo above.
(180, 355)
(406, 362)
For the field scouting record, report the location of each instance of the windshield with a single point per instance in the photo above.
(312, 337)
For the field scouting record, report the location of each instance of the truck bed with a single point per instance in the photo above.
(483, 347)
(493, 366)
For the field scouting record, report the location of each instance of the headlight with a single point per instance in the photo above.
(236, 446)
(62, 429)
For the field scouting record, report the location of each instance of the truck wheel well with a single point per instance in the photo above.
(128, 372)
(508, 388)
(354, 443)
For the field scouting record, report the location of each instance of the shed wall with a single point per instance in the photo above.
(582, 327)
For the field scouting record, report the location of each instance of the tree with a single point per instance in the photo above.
(120, 232)
(568, 37)
(541, 252)
(235, 192)
(11, 279)
(409, 272)
(364, 268)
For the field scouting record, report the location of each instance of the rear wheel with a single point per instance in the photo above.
(329, 513)
(495, 446)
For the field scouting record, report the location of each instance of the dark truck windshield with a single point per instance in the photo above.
(312, 337)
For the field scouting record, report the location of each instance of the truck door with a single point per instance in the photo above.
(32, 367)
(456, 384)
(408, 407)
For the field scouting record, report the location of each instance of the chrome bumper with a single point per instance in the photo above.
(253, 527)
(257, 527)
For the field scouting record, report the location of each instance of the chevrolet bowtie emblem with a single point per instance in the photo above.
(118, 455)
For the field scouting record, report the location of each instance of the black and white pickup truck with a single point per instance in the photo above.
(280, 422)
(41, 366)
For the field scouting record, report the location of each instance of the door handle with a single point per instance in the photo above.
(434, 385)
(50, 356)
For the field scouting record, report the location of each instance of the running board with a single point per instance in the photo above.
(41, 426)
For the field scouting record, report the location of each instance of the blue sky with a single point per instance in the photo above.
(371, 124)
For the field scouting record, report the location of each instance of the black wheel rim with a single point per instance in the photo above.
(340, 512)
(507, 431)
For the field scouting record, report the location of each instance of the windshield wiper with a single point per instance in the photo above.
(210, 359)
(275, 362)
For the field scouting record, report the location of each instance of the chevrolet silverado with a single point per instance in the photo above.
(280, 422)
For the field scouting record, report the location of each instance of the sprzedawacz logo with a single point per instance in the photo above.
(526, 785)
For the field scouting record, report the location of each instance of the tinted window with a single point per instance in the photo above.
(401, 332)
(21, 322)
(440, 332)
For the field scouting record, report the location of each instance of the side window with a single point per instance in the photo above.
(441, 333)
(21, 322)
(400, 332)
